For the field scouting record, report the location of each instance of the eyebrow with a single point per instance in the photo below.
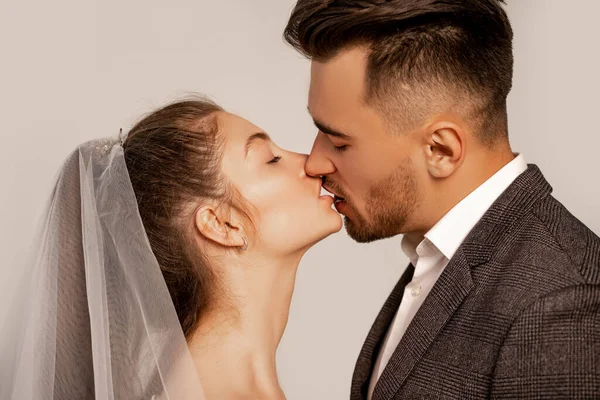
(252, 139)
(329, 130)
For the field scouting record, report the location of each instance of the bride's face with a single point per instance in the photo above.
(288, 212)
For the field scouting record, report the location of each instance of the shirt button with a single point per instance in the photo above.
(415, 291)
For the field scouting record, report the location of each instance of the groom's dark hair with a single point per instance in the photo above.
(416, 48)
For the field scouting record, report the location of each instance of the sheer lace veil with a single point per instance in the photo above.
(94, 318)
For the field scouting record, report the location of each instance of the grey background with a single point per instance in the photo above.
(73, 70)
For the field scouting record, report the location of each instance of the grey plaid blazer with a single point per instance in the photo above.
(515, 314)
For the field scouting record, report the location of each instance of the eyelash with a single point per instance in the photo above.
(341, 148)
(274, 160)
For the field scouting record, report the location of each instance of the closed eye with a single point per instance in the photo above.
(274, 160)
(341, 148)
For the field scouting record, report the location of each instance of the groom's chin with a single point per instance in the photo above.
(361, 232)
(358, 231)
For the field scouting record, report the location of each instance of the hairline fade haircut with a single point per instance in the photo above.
(424, 56)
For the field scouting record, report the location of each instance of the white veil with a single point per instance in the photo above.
(94, 318)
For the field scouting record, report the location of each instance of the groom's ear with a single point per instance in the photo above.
(444, 148)
(212, 225)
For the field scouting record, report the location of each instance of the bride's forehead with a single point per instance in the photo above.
(234, 127)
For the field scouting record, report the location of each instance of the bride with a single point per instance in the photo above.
(166, 264)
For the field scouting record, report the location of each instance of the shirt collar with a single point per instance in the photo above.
(448, 234)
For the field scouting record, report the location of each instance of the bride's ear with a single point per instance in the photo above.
(213, 226)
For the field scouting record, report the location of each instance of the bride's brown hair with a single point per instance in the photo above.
(173, 157)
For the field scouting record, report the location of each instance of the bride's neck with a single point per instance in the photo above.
(235, 346)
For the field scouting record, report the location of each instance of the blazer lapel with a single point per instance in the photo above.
(452, 287)
(370, 350)
(455, 282)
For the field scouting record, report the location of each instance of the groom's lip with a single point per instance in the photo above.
(332, 192)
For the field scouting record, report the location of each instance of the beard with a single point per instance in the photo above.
(389, 204)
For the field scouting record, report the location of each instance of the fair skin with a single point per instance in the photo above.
(409, 179)
(235, 346)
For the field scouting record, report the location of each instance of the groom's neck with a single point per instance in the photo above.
(476, 169)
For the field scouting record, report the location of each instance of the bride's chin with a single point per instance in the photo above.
(337, 223)
(332, 223)
(321, 228)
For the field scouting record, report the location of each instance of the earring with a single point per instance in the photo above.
(245, 246)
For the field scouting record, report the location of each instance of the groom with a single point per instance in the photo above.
(502, 296)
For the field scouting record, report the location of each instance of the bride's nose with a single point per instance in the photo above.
(299, 163)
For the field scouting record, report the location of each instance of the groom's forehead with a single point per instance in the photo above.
(336, 93)
(343, 76)
(344, 119)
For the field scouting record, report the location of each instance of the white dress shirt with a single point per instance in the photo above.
(431, 255)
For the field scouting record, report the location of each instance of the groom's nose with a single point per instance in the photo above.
(318, 163)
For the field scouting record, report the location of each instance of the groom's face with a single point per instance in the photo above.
(357, 152)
